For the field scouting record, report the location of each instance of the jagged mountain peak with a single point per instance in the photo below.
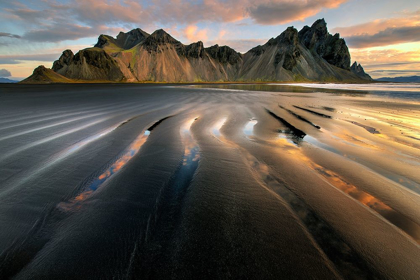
(312, 54)
(64, 60)
(224, 54)
(359, 71)
(131, 38)
(135, 31)
(123, 40)
(289, 36)
(194, 50)
(331, 48)
(160, 36)
(197, 44)
(104, 40)
(319, 23)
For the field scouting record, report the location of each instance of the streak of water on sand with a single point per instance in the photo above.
(57, 158)
(408, 226)
(63, 154)
(50, 138)
(163, 222)
(249, 127)
(389, 174)
(114, 168)
(217, 126)
(191, 153)
(21, 253)
(347, 261)
(130, 152)
(94, 112)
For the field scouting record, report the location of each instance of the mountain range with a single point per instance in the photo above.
(311, 54)
(7, 81)
(410, 79)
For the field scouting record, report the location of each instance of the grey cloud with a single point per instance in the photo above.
(276, 12)
(97, 12)
(29, 15)
(16, 59)
(5, 60)
(396, 71)
(60, 33)
(57, 22)
(9, 35)
(386, 37)
(5, 73)
(393, 64)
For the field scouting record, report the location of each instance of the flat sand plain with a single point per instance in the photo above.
(216, 181)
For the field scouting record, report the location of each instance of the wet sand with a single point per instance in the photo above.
(223, 181)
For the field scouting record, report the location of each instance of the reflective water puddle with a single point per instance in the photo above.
(249, 127)
(217, 126)
(128, 154)
(115, 167)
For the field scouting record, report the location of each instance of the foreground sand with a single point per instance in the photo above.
(259, 182)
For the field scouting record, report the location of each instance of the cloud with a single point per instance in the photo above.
(17, 59)
(192, 33)
(95, 13)
(393, 73)
(59, 33)
(387, 56)
(375, 26)
(389, 36)
(384, 59)
(382, 32)
(98, 12)
(222, 33)
(5, 73)
(28, 15)
(9, 35)
(192, 12)
(284, 11)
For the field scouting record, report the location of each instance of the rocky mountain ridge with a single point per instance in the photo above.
(311, 54)
(359, 71)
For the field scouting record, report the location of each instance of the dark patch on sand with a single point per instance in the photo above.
(368, 128)
(300, 117)
(297, 134)
(313, 112)
(328, 108)
(158, 123)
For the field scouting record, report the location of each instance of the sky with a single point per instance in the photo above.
(382, 35)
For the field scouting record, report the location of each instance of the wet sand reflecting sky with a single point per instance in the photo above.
(214, 181)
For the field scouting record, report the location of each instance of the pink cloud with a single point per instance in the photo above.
(283, 11)
(373, 27)
(54, 22)
(192, 33)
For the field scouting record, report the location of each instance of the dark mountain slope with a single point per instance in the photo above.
(312, 54)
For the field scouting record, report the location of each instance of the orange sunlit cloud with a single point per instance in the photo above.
(284, 11)
(396, 59)
(193, 34)
(378, 25)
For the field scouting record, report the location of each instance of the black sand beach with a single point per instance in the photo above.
(126, 181)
